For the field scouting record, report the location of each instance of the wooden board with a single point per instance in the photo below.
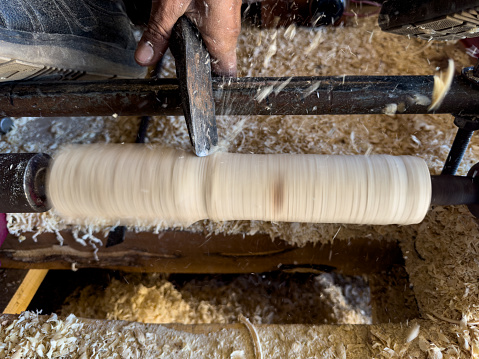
(25, 292)
(184, 252)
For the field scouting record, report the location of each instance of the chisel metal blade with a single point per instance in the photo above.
(193, 69)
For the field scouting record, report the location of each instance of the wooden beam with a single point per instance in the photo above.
(25, 292)
(184, 252)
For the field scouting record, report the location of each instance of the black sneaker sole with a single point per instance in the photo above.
(15, 70)
(431, 20)
(24, 56)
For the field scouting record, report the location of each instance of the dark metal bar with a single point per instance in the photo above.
(238, 96)
(466, 126)
(142, 129)
(450, 190)
(457, 151)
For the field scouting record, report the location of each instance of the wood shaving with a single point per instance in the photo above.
(413, 332)
(442, 84)
(263, 93)
(462, 322)
(258, 352)
(290, 32)
(391, 109)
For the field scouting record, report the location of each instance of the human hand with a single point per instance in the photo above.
(219, 22)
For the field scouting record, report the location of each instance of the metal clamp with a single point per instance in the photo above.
(23, 182)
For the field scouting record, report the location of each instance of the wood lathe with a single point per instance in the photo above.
(81, 175)
(26, 179)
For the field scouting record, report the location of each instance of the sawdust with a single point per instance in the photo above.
(444, 268)
(441, 259)
(31, 335)
(264, 298)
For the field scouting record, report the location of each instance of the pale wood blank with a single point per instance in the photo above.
(137, 185)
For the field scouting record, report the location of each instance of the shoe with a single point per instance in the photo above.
(67, 40)
(431, 19)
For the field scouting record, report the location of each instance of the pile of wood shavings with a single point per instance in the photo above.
(441, 260)
(265, 299)
(31, 335)
(36, 336)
